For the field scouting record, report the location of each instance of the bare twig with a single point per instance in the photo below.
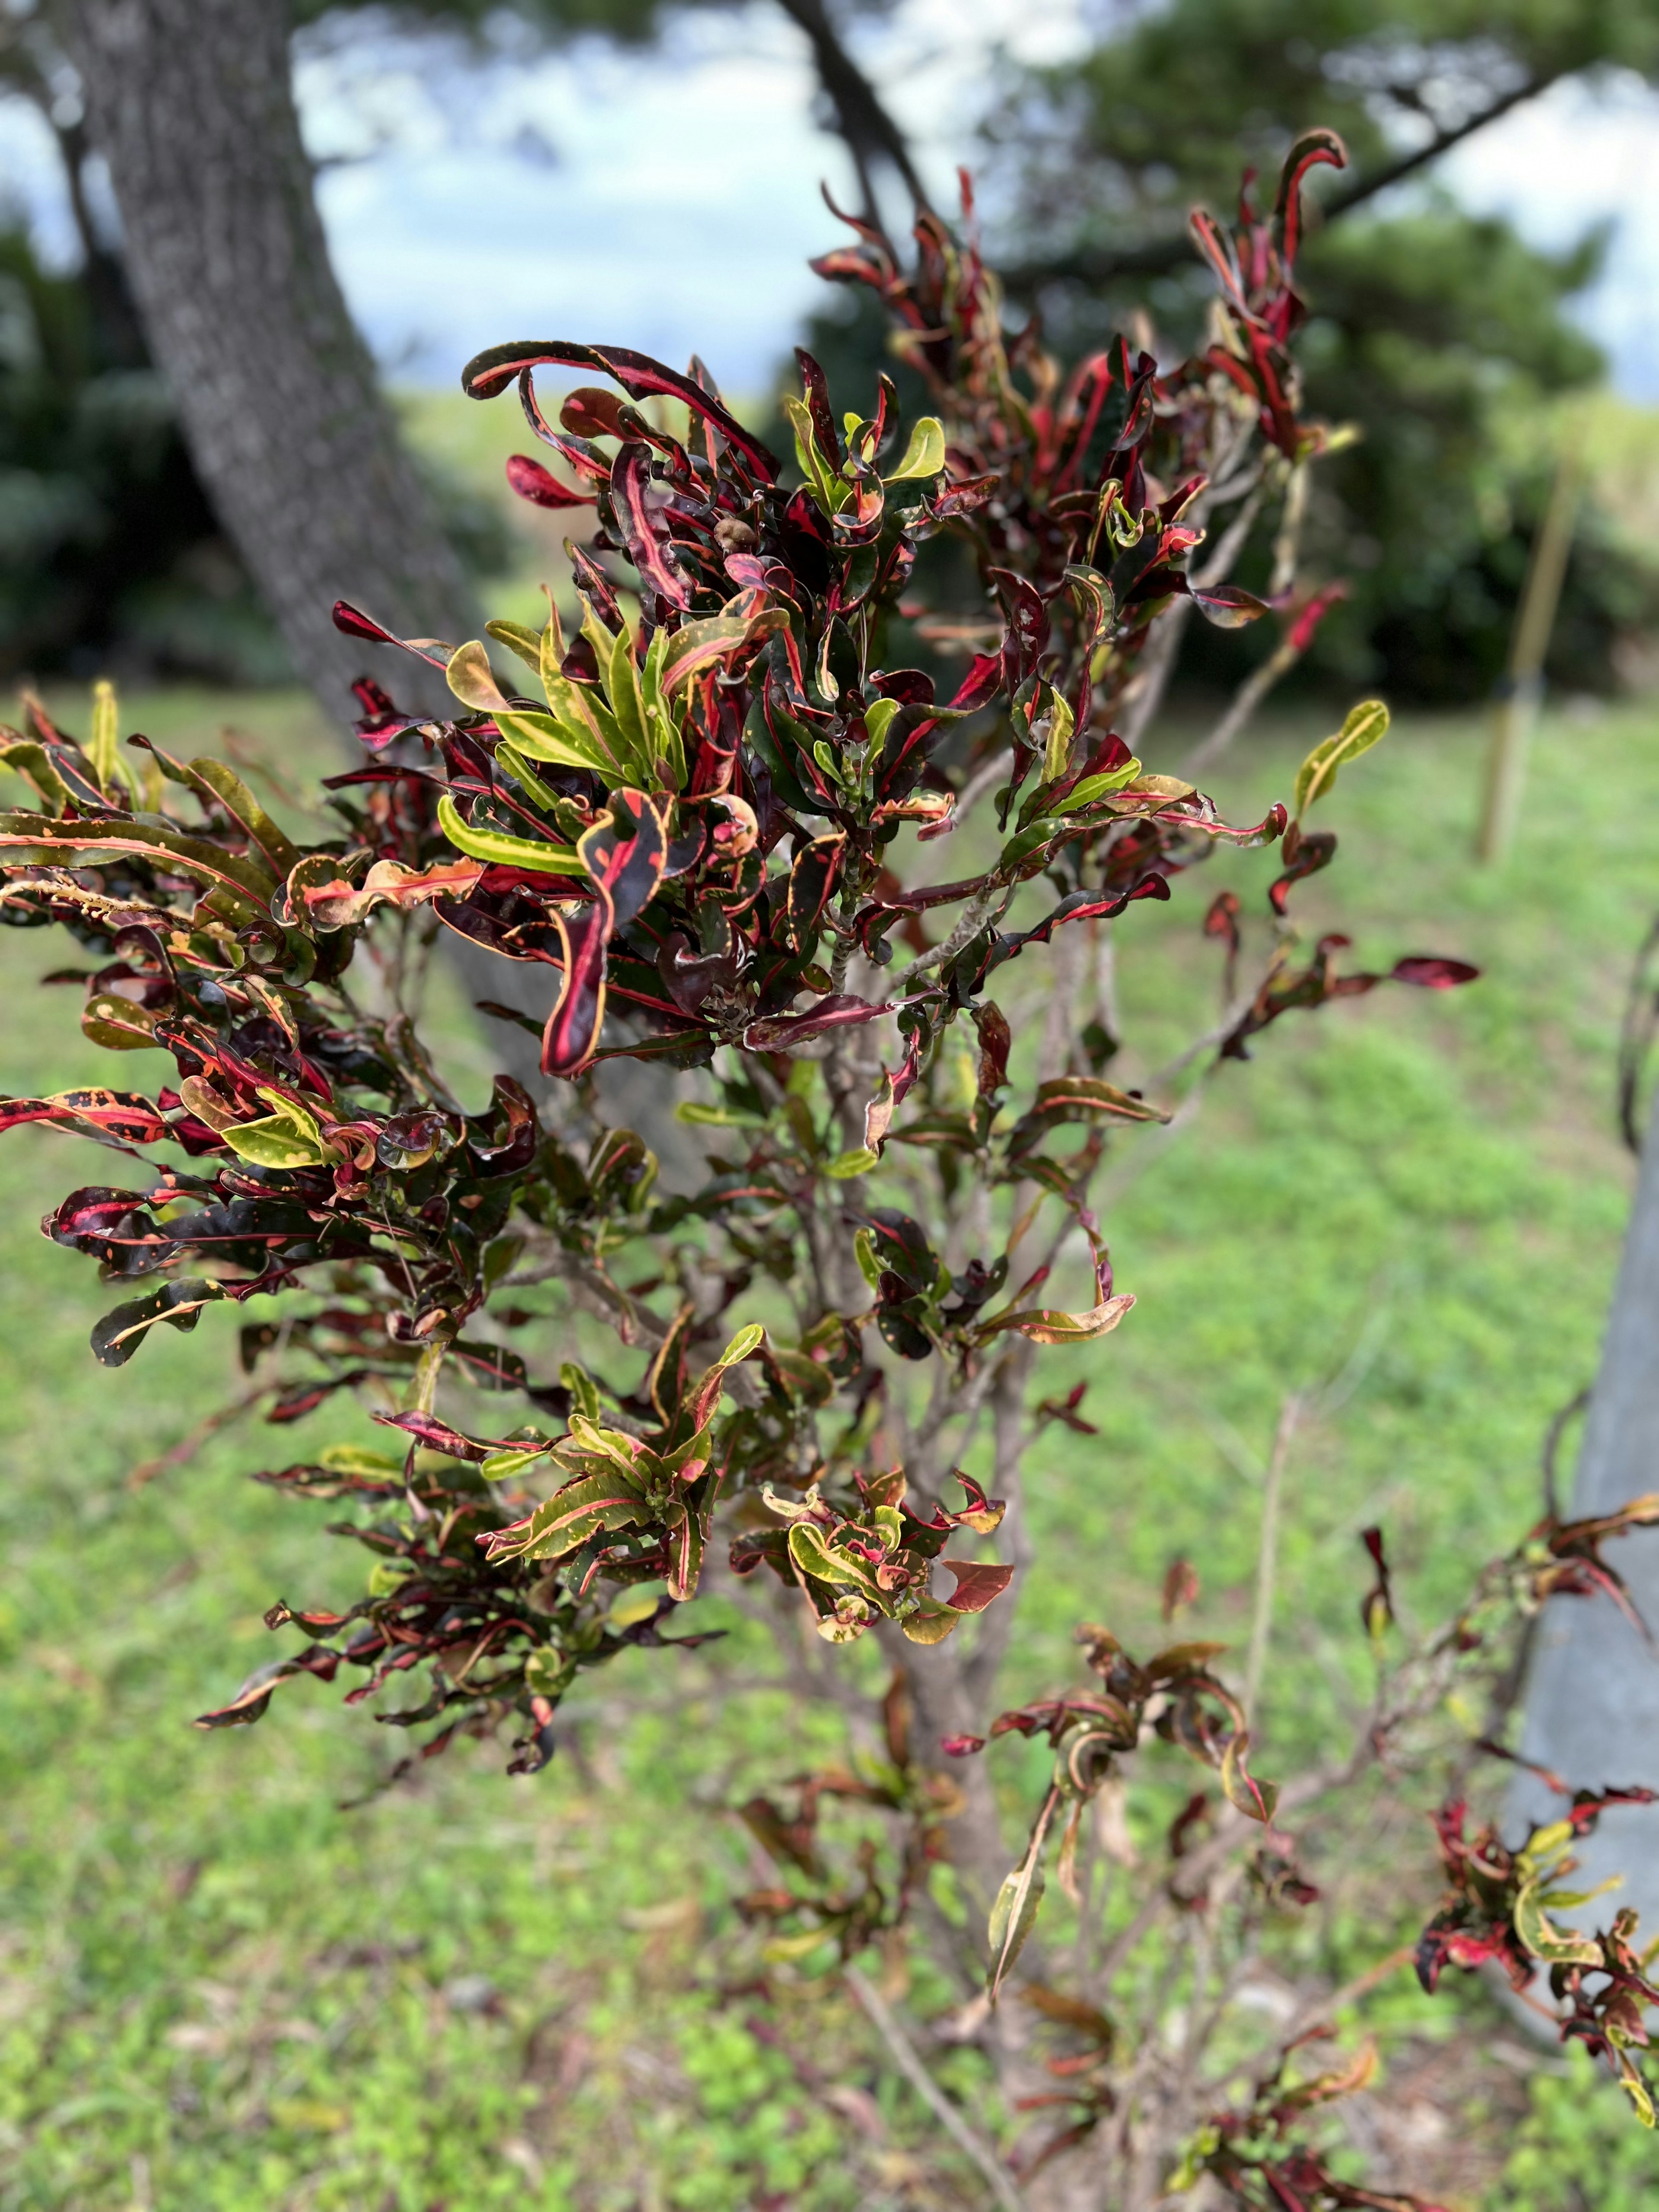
(184, 1450)
(905, 2058)
(984, 776)
(869, 131)
(1245, 700)
(1156, 256)
(1557, 1429)
(1267, 1568)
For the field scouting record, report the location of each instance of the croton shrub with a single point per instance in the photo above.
(712, 804)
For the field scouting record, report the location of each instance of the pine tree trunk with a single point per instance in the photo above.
(191, 103)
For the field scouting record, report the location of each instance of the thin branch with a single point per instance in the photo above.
(1267, 1568)
(980, 1666)
(1557, 1429)
(870, 134)
(184, 1450)
(1160, 256)
(1248, 697)
(905, 2058)
(1391, 173)
(1158, 661)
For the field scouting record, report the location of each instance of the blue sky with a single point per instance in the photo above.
(668, 200)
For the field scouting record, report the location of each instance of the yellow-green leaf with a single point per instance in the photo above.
(288, 1137)
(106, 762)
(551, 738)
(501, 850)
(519, 638)
(1058, 750)
(472, 679)
(1556, 1947)
(1365, 725)
(925, 454)
(1096, 787)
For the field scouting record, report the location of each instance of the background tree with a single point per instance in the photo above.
(1435, 332)
(1442, 331)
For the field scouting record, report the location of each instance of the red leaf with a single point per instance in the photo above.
(1432, 973)
(778, 1032)
(642, 534)
(976, 1584)
(492, 370)
(540, 486)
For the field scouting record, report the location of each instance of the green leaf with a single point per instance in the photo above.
(623, 683)
(696, 1115)
(590, 1505)
(502, 851)
(288, 1137)
(705, 1392)
(741, 1346)
(878, 717)
(1366, 724)
(548, 1673)
(33, 761)
(932, 1621)
(1096, 787)
(845, 1166)
(925, 454)
(824, 754)
(1556, 1947)
(118, 1024)
(830, 491)
(584, 1391)
(519, 638)
(838, 1570)
(562, 744)
(238, 802)
(502, 1466)
(359, 1459)
(523, 775)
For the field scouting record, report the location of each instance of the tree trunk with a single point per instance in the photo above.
(191, 103)
(1593, 1691)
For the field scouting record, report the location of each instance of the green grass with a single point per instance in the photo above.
(219, 1989)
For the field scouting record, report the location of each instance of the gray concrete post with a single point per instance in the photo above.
(1592, 1697)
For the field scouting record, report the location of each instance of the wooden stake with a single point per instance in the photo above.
(1523, 686)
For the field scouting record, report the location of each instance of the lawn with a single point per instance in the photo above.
(221, 1985)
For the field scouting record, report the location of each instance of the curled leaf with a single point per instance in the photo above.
(1256, 1799)
(1365, 725)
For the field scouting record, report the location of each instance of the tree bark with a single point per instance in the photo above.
(1592, 1714)
(191, 103)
